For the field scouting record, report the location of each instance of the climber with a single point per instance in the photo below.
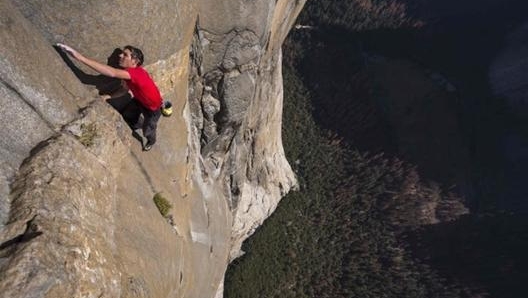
(146, 96)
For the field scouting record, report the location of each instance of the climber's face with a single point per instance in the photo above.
(126, 60)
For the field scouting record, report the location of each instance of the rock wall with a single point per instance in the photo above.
(236, 106)
(76, 210)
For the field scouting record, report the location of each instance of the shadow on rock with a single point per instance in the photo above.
(104, 84)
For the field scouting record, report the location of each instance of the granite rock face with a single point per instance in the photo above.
(235, 103)
(61, 222)
(36, 98)
(76, 212)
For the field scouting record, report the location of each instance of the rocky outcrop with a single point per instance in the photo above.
(37, 97)
(235, 104)
(76, 211)
(61, 224)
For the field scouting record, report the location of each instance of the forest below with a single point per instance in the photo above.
(393, 130)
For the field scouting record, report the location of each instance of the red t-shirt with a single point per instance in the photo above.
(144, 88)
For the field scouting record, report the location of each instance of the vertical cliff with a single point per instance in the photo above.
(76, 210)
(235, 103)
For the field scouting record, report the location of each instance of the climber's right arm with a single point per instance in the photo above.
(99, 67)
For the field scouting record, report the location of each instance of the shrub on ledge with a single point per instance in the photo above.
(163, 205)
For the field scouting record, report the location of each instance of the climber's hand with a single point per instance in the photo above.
(69, 50)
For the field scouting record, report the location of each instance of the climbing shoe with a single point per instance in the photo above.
(148, 146)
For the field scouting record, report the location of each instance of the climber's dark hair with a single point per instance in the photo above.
(136, 54)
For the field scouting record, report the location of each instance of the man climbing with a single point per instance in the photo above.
(146, 96)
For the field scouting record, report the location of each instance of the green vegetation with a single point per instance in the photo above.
(360, 225)
(343, 233)
(339, 236)
(163, 205)
(358, 15)
(484, 251)
(88, 134)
